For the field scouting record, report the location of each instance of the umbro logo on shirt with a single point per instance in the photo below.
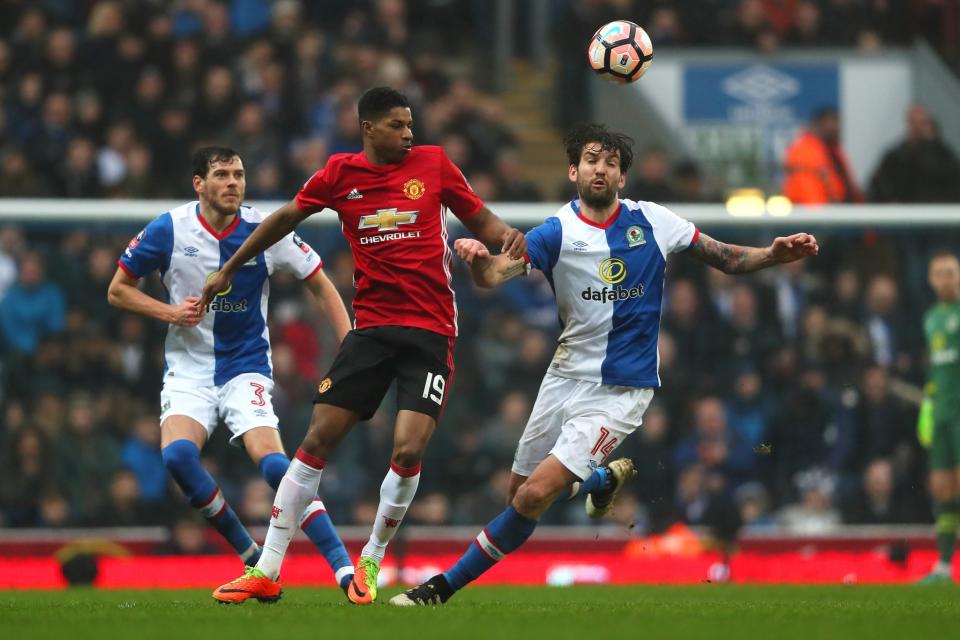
(580, 246)
(354, 194)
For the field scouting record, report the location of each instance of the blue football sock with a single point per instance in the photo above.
(503, 534)
(596, 481)
(182, 459)
(315, 521)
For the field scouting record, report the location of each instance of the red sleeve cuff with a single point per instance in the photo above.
(696, 236)
(127, 270)
(313, 273)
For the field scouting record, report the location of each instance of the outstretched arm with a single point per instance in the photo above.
(329, 300)
(487, 227)
(124, 294)
(268, 233)
(488, 271)
(732, 258)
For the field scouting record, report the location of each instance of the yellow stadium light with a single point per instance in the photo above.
(779, 206)
(746, 203)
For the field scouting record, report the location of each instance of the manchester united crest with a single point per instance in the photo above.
(414, 188)
(325, 385)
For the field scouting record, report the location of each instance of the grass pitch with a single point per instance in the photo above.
(498, 613)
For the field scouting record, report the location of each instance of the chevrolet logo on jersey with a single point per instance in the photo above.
(386, 219)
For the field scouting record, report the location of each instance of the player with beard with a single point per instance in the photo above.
(605, 259)
(217, 364)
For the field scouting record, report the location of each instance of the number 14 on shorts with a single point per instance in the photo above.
(433, 387)
(605, 444)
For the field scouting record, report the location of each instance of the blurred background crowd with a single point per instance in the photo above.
(789, 398)
(105, 99)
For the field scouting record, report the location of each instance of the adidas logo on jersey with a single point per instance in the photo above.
(354, 194)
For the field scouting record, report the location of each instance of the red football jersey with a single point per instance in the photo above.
(395, 218)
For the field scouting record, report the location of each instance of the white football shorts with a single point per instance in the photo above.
(579, 422)
(243, 403)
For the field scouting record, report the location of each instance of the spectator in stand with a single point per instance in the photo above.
(879, 500)
(882, 424)
(140, 453)
(753, 335)
(17, 179)
(32, 309)
(750, 24)
(511, 185)
(713, 445)
(886, 325)
(689, 184)
(651, 179)
(87, 456)
(11, 246)
(124, 507)
(922, 168)
(650, 452)
(800, 433)
(78, 178)
(27, 472)
(815, 513)
(188, 537)
(816, 167)
(748, 409)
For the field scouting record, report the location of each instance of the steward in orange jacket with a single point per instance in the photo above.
(816, 168)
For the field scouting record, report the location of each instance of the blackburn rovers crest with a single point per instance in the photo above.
(635, 236)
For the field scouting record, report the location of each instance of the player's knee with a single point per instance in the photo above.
(318, 443)
(407, 455)
(179, 455)
(531, 498)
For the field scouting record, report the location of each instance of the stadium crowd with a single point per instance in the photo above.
(787, 397)
(106, 99)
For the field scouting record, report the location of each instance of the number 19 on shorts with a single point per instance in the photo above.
(433, 387)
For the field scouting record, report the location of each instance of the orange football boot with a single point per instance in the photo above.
(252, 584)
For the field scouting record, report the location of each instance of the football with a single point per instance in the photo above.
(620, 51)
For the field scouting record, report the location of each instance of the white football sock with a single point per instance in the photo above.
(396, 493)
(297, 490)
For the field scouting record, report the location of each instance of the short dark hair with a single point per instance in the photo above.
(582, 135)
(943, 252)
(377, 102)
(206, 156)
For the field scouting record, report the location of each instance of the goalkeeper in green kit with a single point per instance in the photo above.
(939, 422)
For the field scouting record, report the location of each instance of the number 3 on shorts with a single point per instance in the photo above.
(435, 383)
(258, 399)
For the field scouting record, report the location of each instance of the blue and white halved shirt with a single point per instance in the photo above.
(232, 338)
(608, 280)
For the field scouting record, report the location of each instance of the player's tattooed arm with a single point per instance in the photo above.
(732, 258)
(487, 270)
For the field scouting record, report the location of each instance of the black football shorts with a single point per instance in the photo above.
(370, 359)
